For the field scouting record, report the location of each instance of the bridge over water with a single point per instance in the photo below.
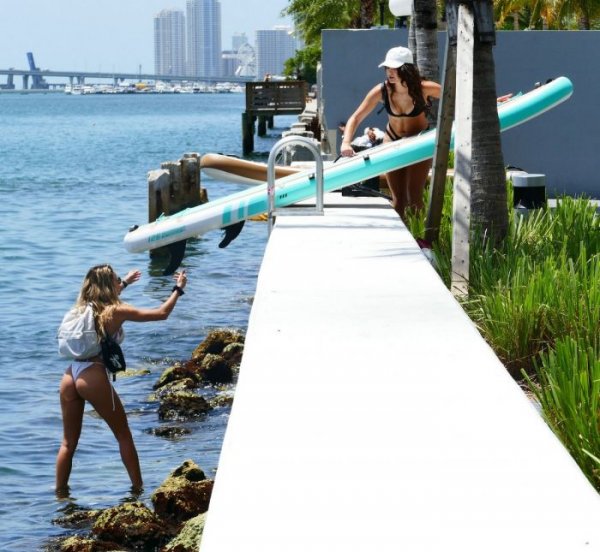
(38, 78)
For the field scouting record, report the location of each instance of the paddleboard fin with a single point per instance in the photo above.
(370, 192)
(176, 252)
(231, 232)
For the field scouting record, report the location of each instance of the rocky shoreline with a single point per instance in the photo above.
(176, 520)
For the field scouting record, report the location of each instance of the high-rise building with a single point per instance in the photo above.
(273, 48)
(238, 40)
(229, 63)
(204, 38)
(169, 43)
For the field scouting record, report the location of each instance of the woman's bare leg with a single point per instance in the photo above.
(398, 185)
(72, 414)
(416, 181)
(94, 386)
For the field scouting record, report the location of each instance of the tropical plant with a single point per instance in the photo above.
(581, 11)
(513, 14)
(312, 16)
(548, 14)
(303, 65)
(568, 390)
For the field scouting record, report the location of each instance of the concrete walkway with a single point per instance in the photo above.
(371, 416)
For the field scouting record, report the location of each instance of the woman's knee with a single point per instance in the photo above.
(69, 446)
(122, 433)
(397, 205)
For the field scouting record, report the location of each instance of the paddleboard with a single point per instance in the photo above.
(240, 171)
(236, 208)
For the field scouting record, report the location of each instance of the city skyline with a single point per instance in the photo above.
(116, 35)
(190, 44)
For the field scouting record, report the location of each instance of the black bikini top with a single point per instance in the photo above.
(386, 105)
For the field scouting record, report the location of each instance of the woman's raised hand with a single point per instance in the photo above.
(181, 278)
(132, 276)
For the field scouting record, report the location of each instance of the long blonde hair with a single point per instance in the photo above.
(99, 290)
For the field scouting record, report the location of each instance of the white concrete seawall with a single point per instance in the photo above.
(371, 416)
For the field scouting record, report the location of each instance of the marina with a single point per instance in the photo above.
(154, 88)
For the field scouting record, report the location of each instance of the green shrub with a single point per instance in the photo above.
(568, 390)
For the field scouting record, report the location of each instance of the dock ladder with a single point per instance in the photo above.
(318, 176)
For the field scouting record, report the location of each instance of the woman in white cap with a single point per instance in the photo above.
(406, 99)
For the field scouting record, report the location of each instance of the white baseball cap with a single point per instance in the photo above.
(397, 57)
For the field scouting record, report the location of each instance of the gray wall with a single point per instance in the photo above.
(563, 143)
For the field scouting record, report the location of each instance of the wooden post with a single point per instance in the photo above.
(442, 145)
(262, 126)
(270, 121)
(247, 133)
(176, 186)
(159, 193)
(461, 220)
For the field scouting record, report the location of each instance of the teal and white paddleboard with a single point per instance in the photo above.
(236, 208)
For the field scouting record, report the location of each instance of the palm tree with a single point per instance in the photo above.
(548, 14)
(516, 11)
(582, 11)
(424, 23)
(488, 187)
(367, 12)
(423, 27)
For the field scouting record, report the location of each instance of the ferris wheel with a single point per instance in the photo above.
(247, 61)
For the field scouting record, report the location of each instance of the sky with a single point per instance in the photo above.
(108, 35)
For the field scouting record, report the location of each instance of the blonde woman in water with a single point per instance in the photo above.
(88, 380)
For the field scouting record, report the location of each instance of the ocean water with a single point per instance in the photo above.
(72, 181)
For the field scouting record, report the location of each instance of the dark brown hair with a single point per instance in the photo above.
(411, 78)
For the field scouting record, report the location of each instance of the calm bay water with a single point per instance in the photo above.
(72, 181)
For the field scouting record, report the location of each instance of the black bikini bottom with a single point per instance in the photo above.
(394, 137)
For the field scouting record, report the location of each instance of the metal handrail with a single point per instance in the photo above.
(311, 146)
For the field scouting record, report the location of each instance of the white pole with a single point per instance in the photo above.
(461, 216)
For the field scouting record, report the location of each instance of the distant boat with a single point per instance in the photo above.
(74, 89)
(222, 88)
(153, 88)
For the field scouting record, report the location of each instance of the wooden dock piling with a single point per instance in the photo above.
(266, 99)
(174, 187)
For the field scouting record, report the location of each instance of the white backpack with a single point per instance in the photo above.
(77, 337)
